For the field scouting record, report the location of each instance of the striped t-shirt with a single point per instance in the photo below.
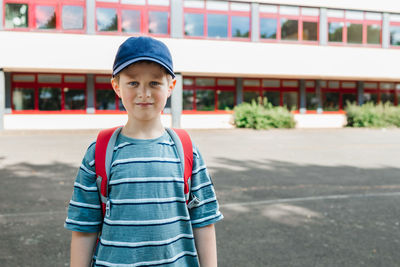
(149, 223)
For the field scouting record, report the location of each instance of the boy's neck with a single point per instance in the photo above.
(143, 130)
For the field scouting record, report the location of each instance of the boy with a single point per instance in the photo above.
(148, 222)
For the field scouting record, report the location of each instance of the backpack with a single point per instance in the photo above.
(103, 156)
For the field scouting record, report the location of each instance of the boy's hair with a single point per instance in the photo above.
(137, 49)
(164, 70)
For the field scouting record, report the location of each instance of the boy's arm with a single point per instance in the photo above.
(82, 248)
(206, 245)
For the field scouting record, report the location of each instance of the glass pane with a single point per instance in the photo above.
(217, 25)
(193, 3)
(133, 2)
(205, 81)
(289, 29)
(305, 11)
(72, 17)
(23, 78)
(335, 31)
(356, 15)
(74, 99)
(103, 79)
(23, 99)
(271, 83)
(354, 33)
(188, 99)
(348, 85)
(49, 78)
(370, 85)
(311, 101)
(122, 108)
(386, 86)
(106, 19)
(395, 35)
(158, 22)
(290, 83)
(240, 26)
(45, 17)
(273, 97)
(248, 96)
(310, 84)
(349, 98)
(205, 100)
(310, 31)
(105, 100)
(370, 97)
(333, 84)
(194, 24)
(251, 83)
(373, 16)
(158, 2)
(74, 79)
(374, 34)
(387, 97)
(226, 100)
(290, 100)
(268, 28)
(130, 20)
(331, 101)
(240, 7)
(332, 13)
(217, 5)
(49, 98)
(289, 10)
(187, 81)
(268, 9)
(226, 82)
(16, 16)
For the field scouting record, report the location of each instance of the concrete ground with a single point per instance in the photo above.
(289, 197)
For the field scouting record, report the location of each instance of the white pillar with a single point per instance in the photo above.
(386, 30)
(90, 16)
(255, 22)
(2, 98)
(323, 26)
(1, 14)
(176, 102)
(177, 23)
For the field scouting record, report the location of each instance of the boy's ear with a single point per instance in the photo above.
(171, 87)
(115, 86)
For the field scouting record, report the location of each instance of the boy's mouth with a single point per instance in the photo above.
(144, 104)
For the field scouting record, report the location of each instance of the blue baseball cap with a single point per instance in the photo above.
(141, 48)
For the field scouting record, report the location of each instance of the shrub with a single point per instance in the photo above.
(262, 116)
(375, 116)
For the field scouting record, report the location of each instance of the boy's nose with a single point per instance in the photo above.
(144, 92)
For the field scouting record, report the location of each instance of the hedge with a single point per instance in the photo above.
(374, 116)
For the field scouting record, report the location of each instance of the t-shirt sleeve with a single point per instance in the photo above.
(205, 210)
(84, 211)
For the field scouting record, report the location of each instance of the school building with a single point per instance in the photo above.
(312, 56)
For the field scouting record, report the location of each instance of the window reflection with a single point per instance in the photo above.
(331, 101)
(130, 21)
(349, 98)
(311, 101)
(194, 24)
(371, 97)
(289, 29)
(217, 25)
(16, 16)
(354, 33)
(72, 17)
(387, 97)
(105, 100)
(240, 26)
(395, 35)
(272, 97)
(45, 17)
(249, 96)
(374, 34)
(23, 99)
(310, 31)
(106, 19)
(336, 31)
(268, 28)
(290, 100)
(74, 99)
(158, 22)
(188, 99)
(49, 98)
(205, 100)
(226, 100)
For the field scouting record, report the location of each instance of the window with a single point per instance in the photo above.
(48, 92)
(395, 30)
(105, 97)
(216, 19)
(336, 94)
(289, 23)
(354, 27)
(133, 16)
(44, 15)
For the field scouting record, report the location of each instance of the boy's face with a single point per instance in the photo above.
(143, 88)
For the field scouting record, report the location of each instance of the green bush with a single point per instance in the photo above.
(262, 116)
(375, 116)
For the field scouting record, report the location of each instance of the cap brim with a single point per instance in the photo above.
(129, 62)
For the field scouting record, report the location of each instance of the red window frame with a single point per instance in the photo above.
(396, 24)
(58, 4)
(215, 88)
(144, 17)
(106, 86)
(364, 22)
(230, 13)
(36, 85)
(300, 19)
(341, 90)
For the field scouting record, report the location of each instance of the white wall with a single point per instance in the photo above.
(95, 53)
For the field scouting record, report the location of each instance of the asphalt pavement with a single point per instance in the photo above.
(289, 197)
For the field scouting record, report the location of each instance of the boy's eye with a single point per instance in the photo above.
(154, 83)
(133, 83)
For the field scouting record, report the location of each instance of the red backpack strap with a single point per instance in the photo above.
(187, 147)
(104, 147)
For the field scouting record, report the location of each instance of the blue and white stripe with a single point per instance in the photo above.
(146, 222)
(144, 160)
(147, 201)
(86, 188)
(147, 180)
(84, 205)
(84, 223)
(145, 243)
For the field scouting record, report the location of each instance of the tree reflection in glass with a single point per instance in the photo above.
(240, 26)
(268, 28)
(217, 25)
(49, 98)
(226, 100)
(16, 16)
(310, 31)
(105, 100)
(188, 99)
(354, 33)
(194, 24)
(74, 99)
(395, 35)
(289, 29)
(45, 17)
(158, 22)
(335, 31)
(374, 34)
(205, 100)
(107, 19)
